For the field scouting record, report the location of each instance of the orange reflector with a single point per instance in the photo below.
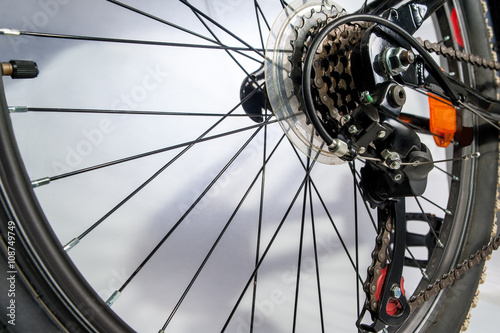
(443, 120)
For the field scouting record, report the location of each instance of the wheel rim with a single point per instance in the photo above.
(294, 205)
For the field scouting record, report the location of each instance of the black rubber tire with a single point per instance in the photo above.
(61, 293)
(455, 303)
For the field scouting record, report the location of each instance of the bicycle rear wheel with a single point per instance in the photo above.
(226, 222)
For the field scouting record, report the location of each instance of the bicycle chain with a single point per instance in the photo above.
(380, 253)
(460, 270)
(458, 55)
(379, 257)
(336, 90)
(484, 253)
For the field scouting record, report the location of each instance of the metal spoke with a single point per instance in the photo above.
(185, 2)
(219, 42)
(259, 227)
(183, 217)
(452, 176)
(424, 274)
(301, 245)
(316, 261)
(356, 175)
(258, 11)
(203, 138)
(158, 19)
(221, 234)
(268, 247)
(356, 232)
(47, 180)
(325, 208)
(124, 40)
(446, 211)
(76, 241)
(438, 241)
(17, 109)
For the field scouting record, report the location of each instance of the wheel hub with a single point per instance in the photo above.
(315, 57)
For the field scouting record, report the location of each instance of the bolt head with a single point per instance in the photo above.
(381, 134)
(395, 165)
(407, 57)
(396, 292)
(397, 60)
(366, 98)
(397, 96)
(353, 129)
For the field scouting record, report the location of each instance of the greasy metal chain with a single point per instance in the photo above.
(380, 253)
(460, 270)
(379, 262)
(483, 254)
(449, 52)
(335, 88)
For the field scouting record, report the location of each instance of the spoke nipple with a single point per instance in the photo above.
(11, 32)
(71, 244)
(17, 109)
(447, 212)
(424, 274)
(40, 182)
(113, 298)
(439, 243)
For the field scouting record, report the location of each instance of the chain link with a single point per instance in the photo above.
(458, 55)
(466, 265)
(332, 69)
